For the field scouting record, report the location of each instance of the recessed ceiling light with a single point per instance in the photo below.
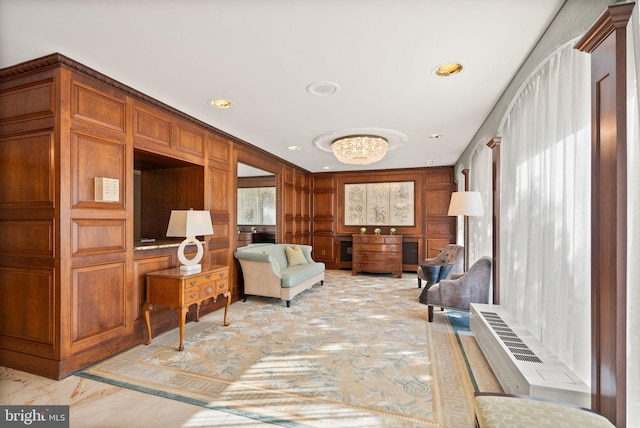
(435, 136)
(327, 167)
(430, 162)
(323, 88)
(220, 103)
(293, 147)
(449, 69)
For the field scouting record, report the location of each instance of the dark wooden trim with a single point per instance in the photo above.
(494, 145)
(606, 41)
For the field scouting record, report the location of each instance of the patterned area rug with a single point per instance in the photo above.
(355, 352)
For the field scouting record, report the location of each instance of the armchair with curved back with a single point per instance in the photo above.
(449, 261)
(472, 287)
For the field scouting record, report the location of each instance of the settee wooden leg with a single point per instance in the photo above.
(288, 303)
(430, 313)
(419, 283)
(322, 282)
(245, 298)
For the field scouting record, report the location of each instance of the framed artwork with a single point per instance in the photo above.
(379, 204)
(257, 206)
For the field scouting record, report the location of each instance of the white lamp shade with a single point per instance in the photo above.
(184, 223)
(465, 203)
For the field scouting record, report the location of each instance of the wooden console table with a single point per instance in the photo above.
(377, 253)
(180, 290)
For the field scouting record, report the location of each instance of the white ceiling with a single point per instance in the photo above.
(262, 55)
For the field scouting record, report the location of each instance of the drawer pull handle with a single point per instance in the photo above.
(194, 282)
(221, 274)
(208, 276)
(192, 295)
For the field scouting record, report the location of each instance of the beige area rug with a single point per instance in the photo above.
(356, 352)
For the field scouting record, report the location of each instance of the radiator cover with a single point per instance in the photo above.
(522, 364)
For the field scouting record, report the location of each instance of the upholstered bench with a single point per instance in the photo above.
(513, 411)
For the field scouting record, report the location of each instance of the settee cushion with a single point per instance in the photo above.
(294, 275)
(295, 256)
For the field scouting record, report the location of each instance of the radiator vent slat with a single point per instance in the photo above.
(518, 349)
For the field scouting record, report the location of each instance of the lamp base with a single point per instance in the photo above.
(191, 268)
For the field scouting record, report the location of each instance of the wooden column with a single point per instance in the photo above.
(465, 220)
(606, 42)
(494, 145)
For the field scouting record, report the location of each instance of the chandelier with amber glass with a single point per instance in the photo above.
(359, 149)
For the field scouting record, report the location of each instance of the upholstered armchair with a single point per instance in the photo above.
(472, 287)
(433, 270)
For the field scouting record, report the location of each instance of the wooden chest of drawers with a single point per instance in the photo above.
(377, 253)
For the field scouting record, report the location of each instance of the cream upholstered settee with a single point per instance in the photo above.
(268, 272)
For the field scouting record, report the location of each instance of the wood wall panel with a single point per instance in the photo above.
(27, 291)
(26, 237)
(443, 176)
(323, 204)
(98, 108)
(441, 226)
(98, 300)
(91, 236)
(31, 179)
(437, 201)
(190, 140)
(141, 267)
(220, 200)
(435, 245)
(323, 248)
(219, 150)
(28, 102)
(151, 126)
(96, 157)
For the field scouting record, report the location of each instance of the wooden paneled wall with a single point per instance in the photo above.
(432, 229)
(72, 279)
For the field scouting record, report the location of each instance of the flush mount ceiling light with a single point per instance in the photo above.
(220, 103)
(448, 69)
(360, 149)
(360, 146)
(323, 88)
(294, 147)
(435, 136)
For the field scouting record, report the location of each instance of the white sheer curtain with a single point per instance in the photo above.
(480, 228)
(545, 208)
(633, 222)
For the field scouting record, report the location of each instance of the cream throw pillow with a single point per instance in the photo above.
(295, 256)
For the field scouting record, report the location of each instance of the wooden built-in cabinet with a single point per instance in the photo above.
(72, 268)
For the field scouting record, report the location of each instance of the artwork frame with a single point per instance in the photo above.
(379, 204)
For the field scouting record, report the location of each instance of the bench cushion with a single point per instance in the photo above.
(513, 412)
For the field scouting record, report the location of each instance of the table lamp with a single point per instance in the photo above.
(189, 223)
